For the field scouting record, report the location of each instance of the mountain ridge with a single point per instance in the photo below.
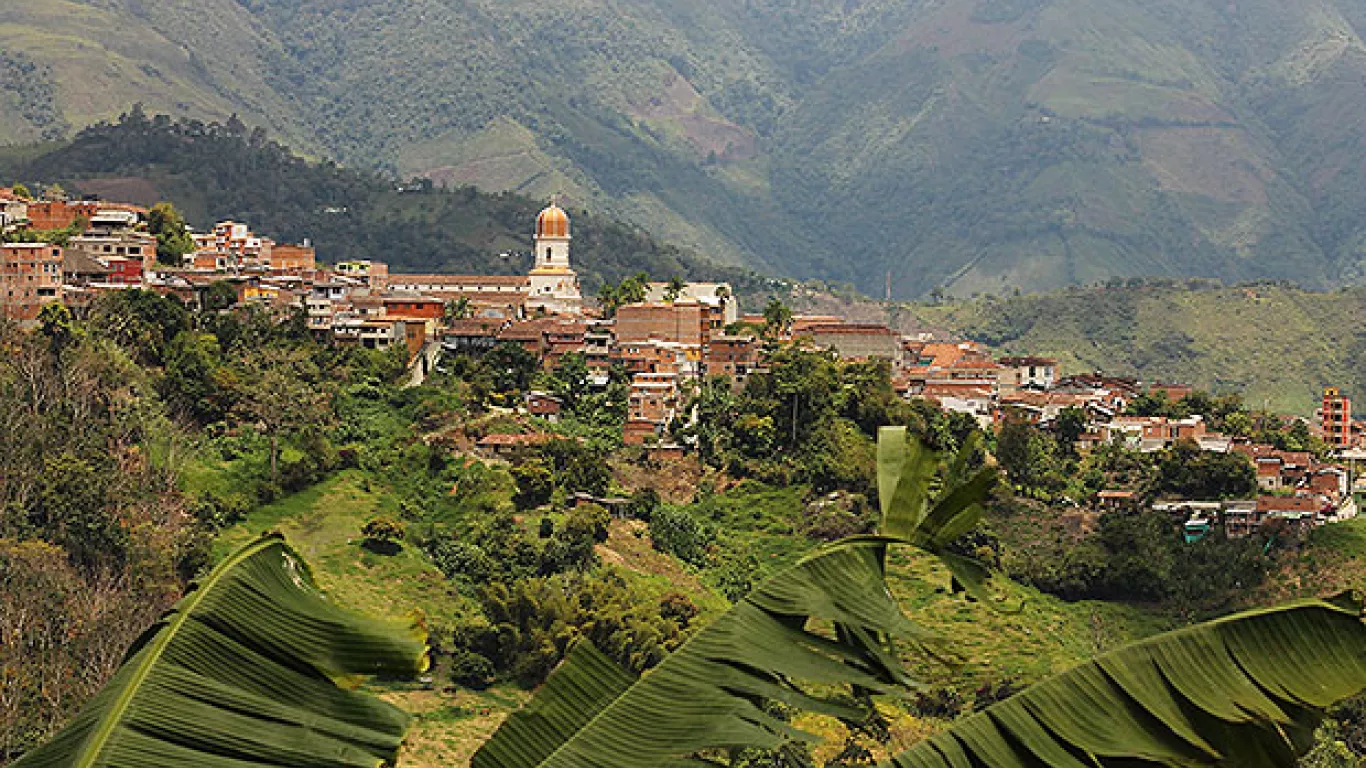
(966, 146)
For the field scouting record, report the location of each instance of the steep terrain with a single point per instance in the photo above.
(967, 145)
(1277, 346)
(214, 172)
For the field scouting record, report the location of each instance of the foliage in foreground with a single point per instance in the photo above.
(248, 669)
(1246, 690)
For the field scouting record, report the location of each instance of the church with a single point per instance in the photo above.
(551, 287)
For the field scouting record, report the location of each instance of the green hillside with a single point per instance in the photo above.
(1275, 344)
(970, 145)
(215, 172)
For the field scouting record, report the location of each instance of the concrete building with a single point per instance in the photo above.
(715, 295)
(30, 277)
(1028, 373)
(123, 245)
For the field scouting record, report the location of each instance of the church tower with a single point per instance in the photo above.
(554, 286)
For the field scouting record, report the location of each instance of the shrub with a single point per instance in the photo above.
(678, 533)
(471, 670)
(383, 535)
(460, 559)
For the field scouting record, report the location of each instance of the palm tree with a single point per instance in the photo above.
(458, 309)
(674, 289)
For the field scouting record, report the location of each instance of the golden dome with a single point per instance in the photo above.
(552, 222)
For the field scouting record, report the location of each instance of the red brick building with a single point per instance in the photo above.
(59, 214)
(1335, 418)
(733, 356)
(30, 276)
(680, 322)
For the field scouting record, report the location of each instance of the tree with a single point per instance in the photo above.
(1070, 426)
(535, 484)
(634, 289)
(610, 299)
(58, 326)
(777, 318)
(196, 382)
(457, 309)
(173, 237)
(674, 289)
(511, 367)
(220, 295)
(570, 381)
(1186, 471)
(22, 192)
(282, 397)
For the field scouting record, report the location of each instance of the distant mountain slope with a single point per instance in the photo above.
(215, 172)
(967, 145)
(1276, 345)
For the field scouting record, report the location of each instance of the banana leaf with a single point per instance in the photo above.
(1246, 690)
(253, 667)
(709, 694)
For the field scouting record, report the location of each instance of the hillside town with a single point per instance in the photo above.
(666, 340)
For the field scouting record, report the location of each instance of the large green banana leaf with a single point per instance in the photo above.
(1242, 691)
(708, 694)
(252, 668)
(1245, 691)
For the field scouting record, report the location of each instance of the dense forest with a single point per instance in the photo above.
(214, 172)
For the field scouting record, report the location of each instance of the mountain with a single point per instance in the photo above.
(214, 172)
(1276, 345)
(970, 146)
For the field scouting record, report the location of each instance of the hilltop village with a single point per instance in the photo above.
(664, 338)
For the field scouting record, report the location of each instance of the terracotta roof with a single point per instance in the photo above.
(1116, 494)
(849, 329)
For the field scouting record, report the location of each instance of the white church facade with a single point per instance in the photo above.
(551, 287)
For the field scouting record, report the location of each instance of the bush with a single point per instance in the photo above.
(643, 504)
(535, 484)
(383, 536)
(678, 533)
(471, 670)
(460, 559)
(676, 607)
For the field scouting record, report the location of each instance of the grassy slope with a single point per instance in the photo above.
(1277, 346)
(324, 522)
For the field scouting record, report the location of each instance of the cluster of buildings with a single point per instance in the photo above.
(677, 334)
